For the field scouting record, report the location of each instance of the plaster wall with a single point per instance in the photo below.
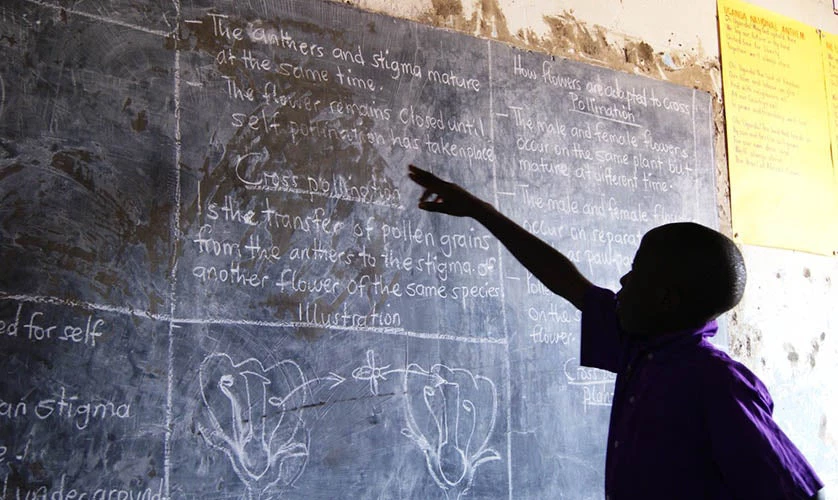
(786, 328)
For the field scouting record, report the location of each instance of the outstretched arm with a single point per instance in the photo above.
(547, 264)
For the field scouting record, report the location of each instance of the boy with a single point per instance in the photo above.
(687, 422)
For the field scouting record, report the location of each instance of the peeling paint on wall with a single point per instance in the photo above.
(447, 8)
(824, 432)
(574, 39)
(747, 344)
(569, 37)
(485, 18)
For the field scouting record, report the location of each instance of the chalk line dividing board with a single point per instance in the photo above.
(216, 283)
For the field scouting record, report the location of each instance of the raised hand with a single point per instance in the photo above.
(444, 197)
(547, 264)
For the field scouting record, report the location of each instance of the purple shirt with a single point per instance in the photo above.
(687, 421)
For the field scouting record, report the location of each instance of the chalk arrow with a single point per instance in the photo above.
(336, 378)
(372, 373)
(333, 377)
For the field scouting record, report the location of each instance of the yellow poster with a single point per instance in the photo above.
(829, 51)
(781, 172)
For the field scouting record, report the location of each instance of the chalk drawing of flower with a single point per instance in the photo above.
(451, 414)
(372, 373)
(253, 415)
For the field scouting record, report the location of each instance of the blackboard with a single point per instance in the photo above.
(216, 284)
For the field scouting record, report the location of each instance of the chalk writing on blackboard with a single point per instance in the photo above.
(286, 224)
(450, 415)
(34, 327)
(596, 385)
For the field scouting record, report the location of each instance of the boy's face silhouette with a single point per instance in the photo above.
(648, 302)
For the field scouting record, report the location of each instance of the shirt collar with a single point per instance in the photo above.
(679, 337)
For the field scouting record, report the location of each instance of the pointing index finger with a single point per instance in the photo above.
(422, 177)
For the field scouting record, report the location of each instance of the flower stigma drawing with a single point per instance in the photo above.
(451, 415)
(254, 416)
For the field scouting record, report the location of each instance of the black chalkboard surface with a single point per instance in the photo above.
(216, 283)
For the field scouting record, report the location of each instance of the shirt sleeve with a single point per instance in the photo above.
(754, 456)
(601, 339)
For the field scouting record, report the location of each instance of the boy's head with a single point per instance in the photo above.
(683, 275)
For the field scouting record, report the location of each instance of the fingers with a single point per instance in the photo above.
(413, 169)
(431, 199)
(430, 196)
(432, 206)
(423, 177)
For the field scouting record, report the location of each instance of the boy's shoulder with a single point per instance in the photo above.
(721, 376)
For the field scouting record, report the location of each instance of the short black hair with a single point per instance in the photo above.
(706, 265)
